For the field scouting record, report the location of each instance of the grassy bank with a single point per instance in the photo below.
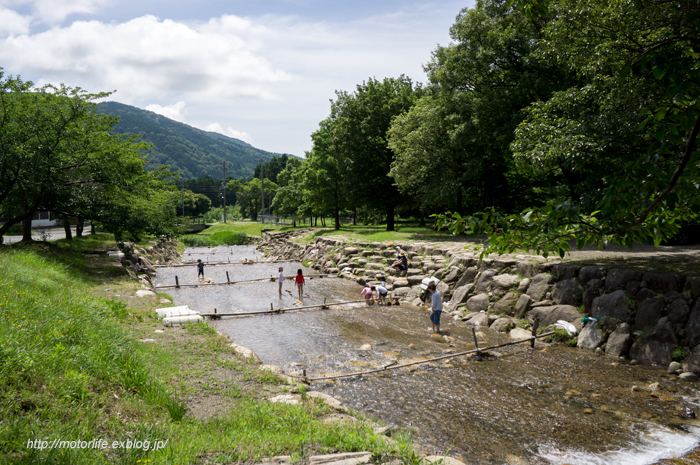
(80, 360)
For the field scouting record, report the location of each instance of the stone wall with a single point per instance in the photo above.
(643, 315)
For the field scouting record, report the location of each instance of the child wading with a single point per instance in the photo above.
(299, 279)
(435, 307)
(381, 293)
(200, 269)
(280, 278)
(367, 293)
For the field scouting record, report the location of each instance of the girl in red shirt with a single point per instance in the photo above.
(299, 279)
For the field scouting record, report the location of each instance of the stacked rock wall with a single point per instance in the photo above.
(650, 316)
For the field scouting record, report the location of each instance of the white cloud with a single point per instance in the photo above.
(176, 111)
(12, 23)
(56, 11)
(230, 132)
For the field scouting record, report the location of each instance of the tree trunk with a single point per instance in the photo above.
(390, 217)
(421, 223)
(92, 228)
(27, 230)
(66, 228)
(354, 216)
(336, 212)
(79, 227)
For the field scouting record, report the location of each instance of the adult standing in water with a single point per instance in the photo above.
(299, 280)
(435, 307)
(280, 278)
(200, 268)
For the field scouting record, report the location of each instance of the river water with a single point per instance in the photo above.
(550, 405)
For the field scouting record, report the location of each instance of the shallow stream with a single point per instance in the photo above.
(551, 404)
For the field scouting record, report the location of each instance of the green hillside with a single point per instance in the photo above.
(190, 150)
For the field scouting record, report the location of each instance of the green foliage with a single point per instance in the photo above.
(192, 152)
(679, 355)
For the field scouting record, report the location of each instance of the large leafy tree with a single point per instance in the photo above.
(631, 123)
(360, 121)
(56, 154)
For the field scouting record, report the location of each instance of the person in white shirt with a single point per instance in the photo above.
(280, 278)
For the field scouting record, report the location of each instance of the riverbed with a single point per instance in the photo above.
(550, 404)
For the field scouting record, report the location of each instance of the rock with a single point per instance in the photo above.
(541, 303)
(588, 273)
(505, 281)
(644, 294)
(688, 376)
(687, 412)
(244, 352)
(648, 313)
(522, 305)
(673, 366)
(460, 295)
(350, 251)
(614, 304)
(692, 285)
(401, 282)
(483, 284)
(663, 281)
(452, 274)
(539, 286)
(519, 334)
(618, 279)
(619, 341)
(145, 293)
(691, 362)
(564, 272)
(632, 288)
(550, 315)
(285, 399)
(401, 291)
(656, 346)
(567, 292)
(522, 287)
(444, 288)
(346, 458)
(506, 304)
(467, 277)
(671, 297)
(365, 347)
(480, 319)
(692, 327)
(437, 337)
(413, 280)
(478, 303)
(595, 288)
(442, 459)
(502, 325)
(411, 346)
(527, 269)
(678, 312)
(590, 338)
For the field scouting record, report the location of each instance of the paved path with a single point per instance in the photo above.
(54, 234)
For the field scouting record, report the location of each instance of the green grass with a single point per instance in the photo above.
(72, 368)
(250, 228)
(379, 233)
(217, 238)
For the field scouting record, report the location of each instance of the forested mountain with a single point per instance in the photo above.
(190, 150)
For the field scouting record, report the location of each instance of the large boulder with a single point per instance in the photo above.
(483, 284)
(539, 286)
(644, 294)
(692, 361)
(618, 279)
(480, 319)
(692, 285)
(503, 325)
(452, 274)
(460, 295)
(692, 327)
(478, 303)
(564, 272)
(588, 273)
(648, 313)
(591, 337)
(550, 315)
(443, 288)
(619, 341)
(401, 291)
(467, 277)
(663, 281)
(614, 304)
(527, 269)
(678, 312)
(505, 281)
(519, 334)
(656, 347)
(567, 292)
(522, 305)
(506, 304)
(595, 288)
(401, 282)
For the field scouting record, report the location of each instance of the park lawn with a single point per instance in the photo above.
(74, 366)
(378, 233)
(248, 227)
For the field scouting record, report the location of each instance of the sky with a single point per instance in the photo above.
(260, 71)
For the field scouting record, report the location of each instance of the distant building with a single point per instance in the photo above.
(40, 220)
